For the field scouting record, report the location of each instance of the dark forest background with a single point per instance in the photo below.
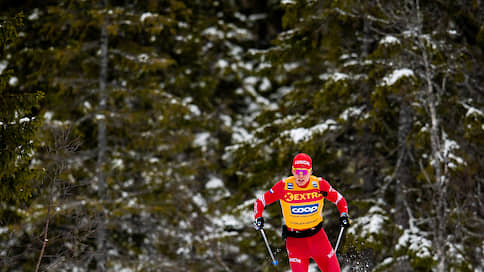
(136, 135)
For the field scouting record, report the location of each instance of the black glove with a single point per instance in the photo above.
(259, 223)
(344, 220)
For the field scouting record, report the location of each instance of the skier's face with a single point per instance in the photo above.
(301, 175)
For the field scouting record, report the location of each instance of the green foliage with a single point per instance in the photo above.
(8, 31)
(18, 124)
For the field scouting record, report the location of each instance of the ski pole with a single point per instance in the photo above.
(274, 261)
(339, 239)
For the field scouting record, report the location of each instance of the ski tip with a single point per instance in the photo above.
(274, 262)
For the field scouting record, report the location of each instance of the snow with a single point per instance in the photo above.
(201, 202)
(322, 127)
(20, 121)
(87, 105)
(48, 115)
(13, 81)
(226, 119)
(3, 66)
(257, 17)
(241, 135)
(285, 35)
(304, 134)
(194, 109)
(448, 147)
(143, 57)
(291, 66)
(3, 230)
(390, 79)
(455, 250)
(132, 203)
(145, 16)
(117, 163)
(372, 223)
(246, 211)
(239, 33)
(335, 76)
(387, 261)
(472, 111)
(452, 32)
(100, 116)
(264, 65)
(389, 39)
(213, 32)
(297, 134)
(313, 267)
(23, 120)
(414, 240)
(34, 15)
(227, 220)
(351, 111)
(339, 76)
(282, 91)
(222, 64)
(183, 251)
(202, 140)
(183, 25)
(124, 269)
(240, 16)
(265, 85)
(345, 56)
(250, 80)
(214, 183)
(350, 63)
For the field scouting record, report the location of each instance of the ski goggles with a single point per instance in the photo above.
(301, 171)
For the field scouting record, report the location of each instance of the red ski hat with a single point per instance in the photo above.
(302, 160)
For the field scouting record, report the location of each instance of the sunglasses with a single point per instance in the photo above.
(301, 171)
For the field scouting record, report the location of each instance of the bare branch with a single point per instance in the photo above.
(58, 154)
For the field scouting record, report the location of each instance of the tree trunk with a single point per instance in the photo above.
(101, 159)
(440, 184)
(403, 175)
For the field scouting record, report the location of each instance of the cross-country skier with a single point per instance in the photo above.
(301, 197)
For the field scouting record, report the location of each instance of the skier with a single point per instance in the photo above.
(301, 197)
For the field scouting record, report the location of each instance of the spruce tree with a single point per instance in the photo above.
(18, 121)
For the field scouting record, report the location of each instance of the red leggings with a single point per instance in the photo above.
(316, 247)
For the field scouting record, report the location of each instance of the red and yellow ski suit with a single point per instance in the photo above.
(302, 208)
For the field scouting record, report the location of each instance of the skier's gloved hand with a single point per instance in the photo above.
(259, 223)
(344, 220)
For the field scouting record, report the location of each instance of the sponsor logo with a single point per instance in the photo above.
(288, 197)
(305, 209)
(331, 254)
(302, 162)
(294, 260)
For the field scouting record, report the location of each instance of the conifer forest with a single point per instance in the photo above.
(136, 135)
